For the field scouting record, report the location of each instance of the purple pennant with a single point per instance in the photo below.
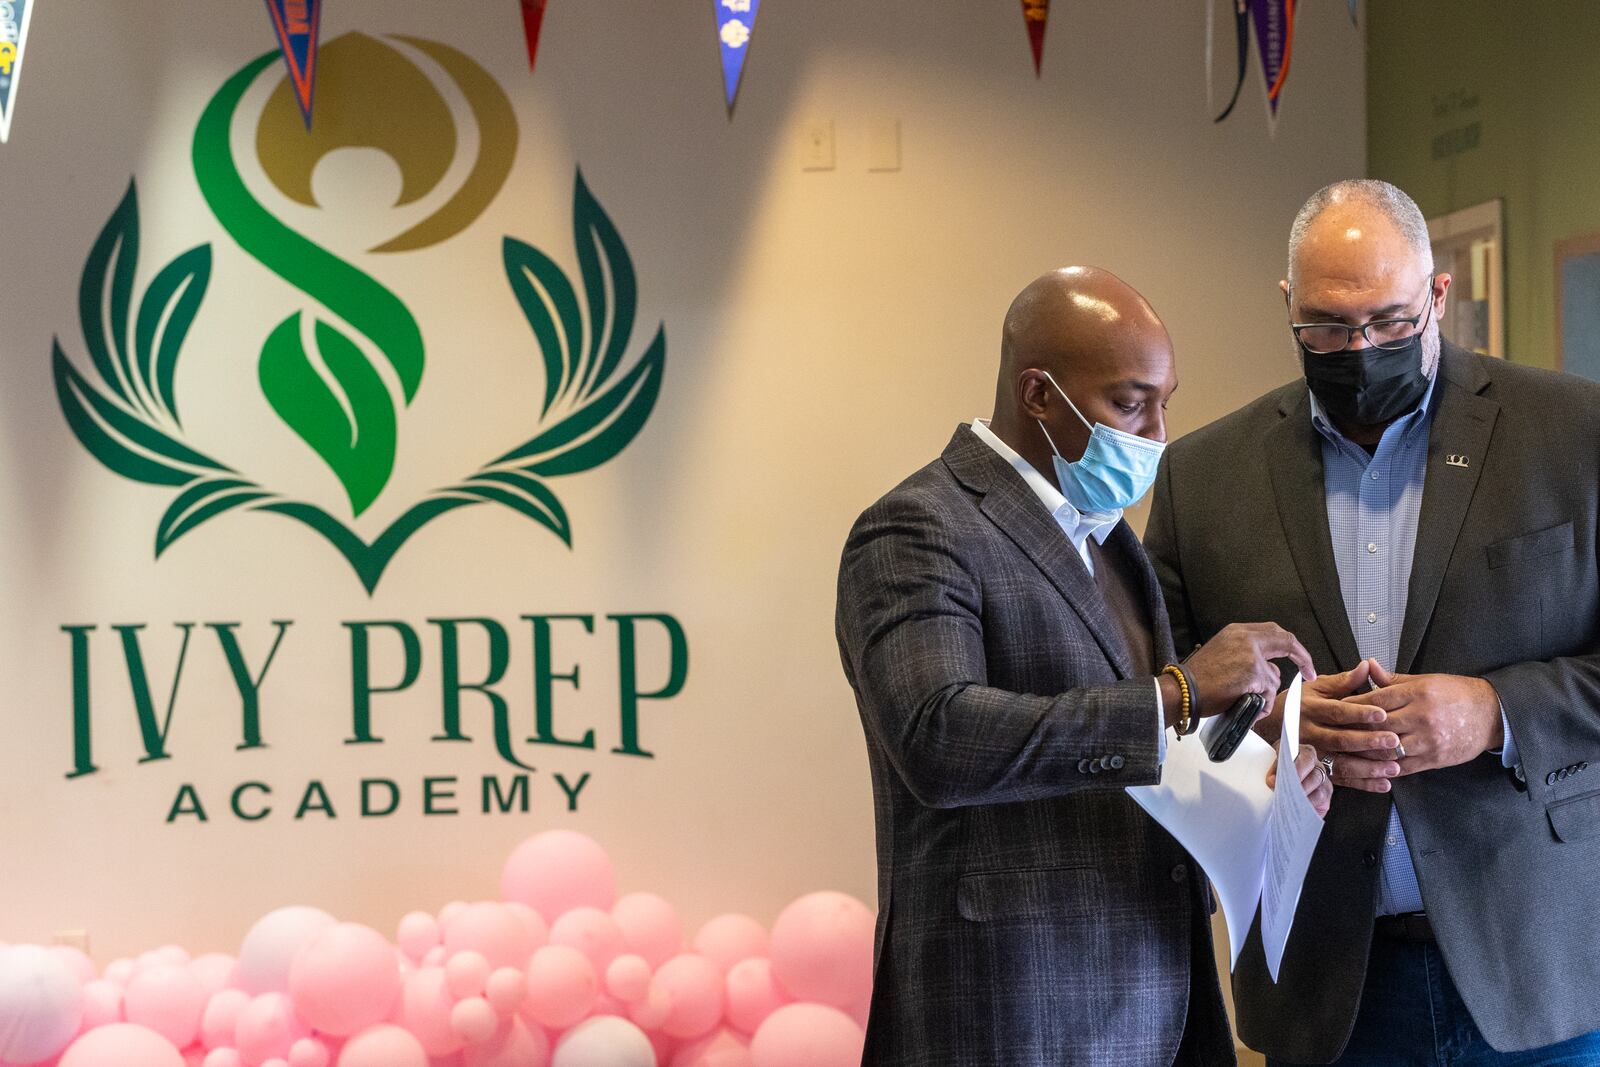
(736, 24)
(1274, 23)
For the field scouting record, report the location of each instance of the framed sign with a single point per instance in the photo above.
(1578, 306)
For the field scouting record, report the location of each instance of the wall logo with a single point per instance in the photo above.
(339, 370)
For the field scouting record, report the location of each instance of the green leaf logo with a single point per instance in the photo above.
(126, 413)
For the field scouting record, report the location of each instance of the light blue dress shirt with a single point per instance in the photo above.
(1373, 504)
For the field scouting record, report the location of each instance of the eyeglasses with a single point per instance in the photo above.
(1322, 338)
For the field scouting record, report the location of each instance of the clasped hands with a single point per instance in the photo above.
(1378, 725)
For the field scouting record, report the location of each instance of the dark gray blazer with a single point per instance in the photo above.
(1505, 586)
(1029, 912)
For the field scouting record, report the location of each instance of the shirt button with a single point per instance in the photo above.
(1372, 616)
(1374, 475)
(1180, 872)
(1371, 547)
(1389, 840)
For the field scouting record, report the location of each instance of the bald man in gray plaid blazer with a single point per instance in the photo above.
(1004, 658)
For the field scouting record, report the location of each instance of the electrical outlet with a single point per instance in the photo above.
(816, 145)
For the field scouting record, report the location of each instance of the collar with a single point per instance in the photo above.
(1079, 526)
(1400, 428)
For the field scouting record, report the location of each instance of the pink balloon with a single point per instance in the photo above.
(822, 949)
(807, 1035)
(220, 1019)
(383, 1045)
(721, 1049)
(102, 1004)
(41, 1004)
(727, 939)
(562, 987)
(650, 927)
(537, 928)
(169, 999)
(272, 943)
(435, 957)
(77, 962)
(506, 989)
(276, 1061)
(628, 978)
(466, 973)
(592, 932)
(118, 971)
(753, 994)
(474, 1020)
(417, 933)
(122, 1045)
(559, 870)
(515, 1044)
(222, 1057)
(345, 980)
(267, 1026)
(652, 1011)
(308, 1052)
(450, 911)
(693, 985)
(493, 931)
(214, 971)
(425, 1005)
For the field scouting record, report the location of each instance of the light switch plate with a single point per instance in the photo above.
(883, 144)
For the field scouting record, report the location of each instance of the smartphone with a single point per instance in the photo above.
(1224, 732)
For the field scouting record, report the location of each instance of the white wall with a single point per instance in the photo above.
(826, 332)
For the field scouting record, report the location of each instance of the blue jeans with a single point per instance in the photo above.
(1412, 1016)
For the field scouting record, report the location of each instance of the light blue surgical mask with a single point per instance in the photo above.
(1116, 471)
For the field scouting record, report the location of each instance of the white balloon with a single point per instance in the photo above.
(604, 1041)
(270, 946)
(41, 1004)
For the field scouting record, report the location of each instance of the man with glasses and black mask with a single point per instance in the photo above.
(1424, 519)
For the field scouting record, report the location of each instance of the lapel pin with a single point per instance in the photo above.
(1457, 461)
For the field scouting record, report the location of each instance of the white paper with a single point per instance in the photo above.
(1294, 827)
(1245, 836)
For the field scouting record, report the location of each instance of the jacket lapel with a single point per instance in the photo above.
(1294, 456)
(1011, 505)
(1462, 425)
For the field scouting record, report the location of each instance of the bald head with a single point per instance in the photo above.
(1101, 343)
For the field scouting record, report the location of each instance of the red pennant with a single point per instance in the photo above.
(532, 19)
(298, 24)
(1035, 13)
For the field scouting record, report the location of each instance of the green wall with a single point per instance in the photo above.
(1527, 76)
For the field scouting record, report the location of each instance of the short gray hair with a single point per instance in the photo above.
(1391, 202)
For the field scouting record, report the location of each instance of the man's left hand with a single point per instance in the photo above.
(1319, 790)
(1441, 719)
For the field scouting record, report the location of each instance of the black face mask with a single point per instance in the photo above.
(1368, 386)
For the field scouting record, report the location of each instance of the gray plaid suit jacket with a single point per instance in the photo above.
(1029, 912)
(1505, 585)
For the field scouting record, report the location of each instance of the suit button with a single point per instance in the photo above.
(1369, 859)
(1180, 872)
(1094, 766)
(1117, 763)
(1083, 766)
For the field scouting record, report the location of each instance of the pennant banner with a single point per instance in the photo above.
(1035, 13)
(1274, 21)
(1274, 31)
(532, 19)
(297, 23)
(736, 23)
(14, 17)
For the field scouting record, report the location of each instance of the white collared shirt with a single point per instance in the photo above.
(1079, 526)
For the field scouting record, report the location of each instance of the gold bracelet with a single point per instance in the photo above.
(1187, 707)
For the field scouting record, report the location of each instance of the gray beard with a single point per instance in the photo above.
(1431, 348)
